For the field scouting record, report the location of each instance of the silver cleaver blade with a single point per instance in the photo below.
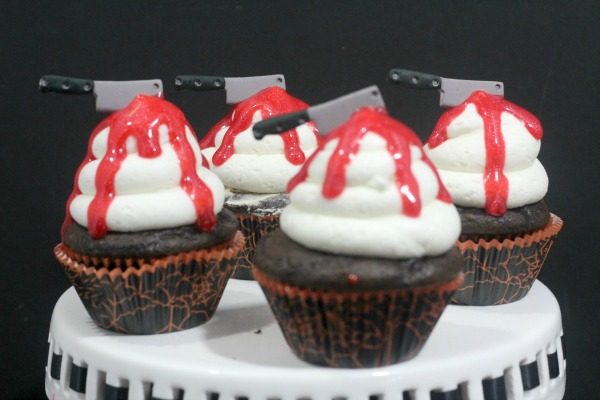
(452, 91)
(326, 116)
(110, 95)
(236, 89)
(115, 95)
(239, 89)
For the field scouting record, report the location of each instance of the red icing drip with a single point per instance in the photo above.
(353, 279)
(269, 102)
(205, 163)
(490, 108)
(398, 137)
(209, 139)
(141, 120)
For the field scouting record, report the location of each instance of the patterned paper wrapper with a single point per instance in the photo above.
(501, 272)
(356, 329)
(162, 295)
(253, 226)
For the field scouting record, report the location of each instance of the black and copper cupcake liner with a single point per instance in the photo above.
(160, 295)
(356, 329)
(253, 226)
(501, 272)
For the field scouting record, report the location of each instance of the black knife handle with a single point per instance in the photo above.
(65, 84)
(414, 79)
(279, 124)
(199, 82)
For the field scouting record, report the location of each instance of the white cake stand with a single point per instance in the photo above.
(507, 352)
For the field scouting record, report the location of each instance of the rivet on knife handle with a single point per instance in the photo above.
(65, 84)
(414, 79)
(199, 82)
(279, 124)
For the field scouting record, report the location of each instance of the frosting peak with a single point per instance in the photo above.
(398, 139)
(259, 166)
(369, 190)
(143, 162)
(485, 150)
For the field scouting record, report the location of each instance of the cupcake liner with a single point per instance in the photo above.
(356, 329)
(160, 295)
(501, 272)
(253, 226)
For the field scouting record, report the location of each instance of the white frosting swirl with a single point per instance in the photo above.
(367, 219)
(148, 194)
(461, 160)
(259, 166)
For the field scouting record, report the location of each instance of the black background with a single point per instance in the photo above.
(546, 53)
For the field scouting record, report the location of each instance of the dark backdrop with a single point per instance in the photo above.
(547, 55)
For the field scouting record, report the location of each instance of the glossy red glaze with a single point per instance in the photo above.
(141, 120)
(490, 108)
(353, 279)
(269, 102)
(398, 137)
(205, 163)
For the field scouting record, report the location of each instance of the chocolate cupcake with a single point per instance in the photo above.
(486, 152)
(255, 172)
(146, 243)
(364, 262)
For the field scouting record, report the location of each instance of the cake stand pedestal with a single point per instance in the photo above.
(507, 352)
